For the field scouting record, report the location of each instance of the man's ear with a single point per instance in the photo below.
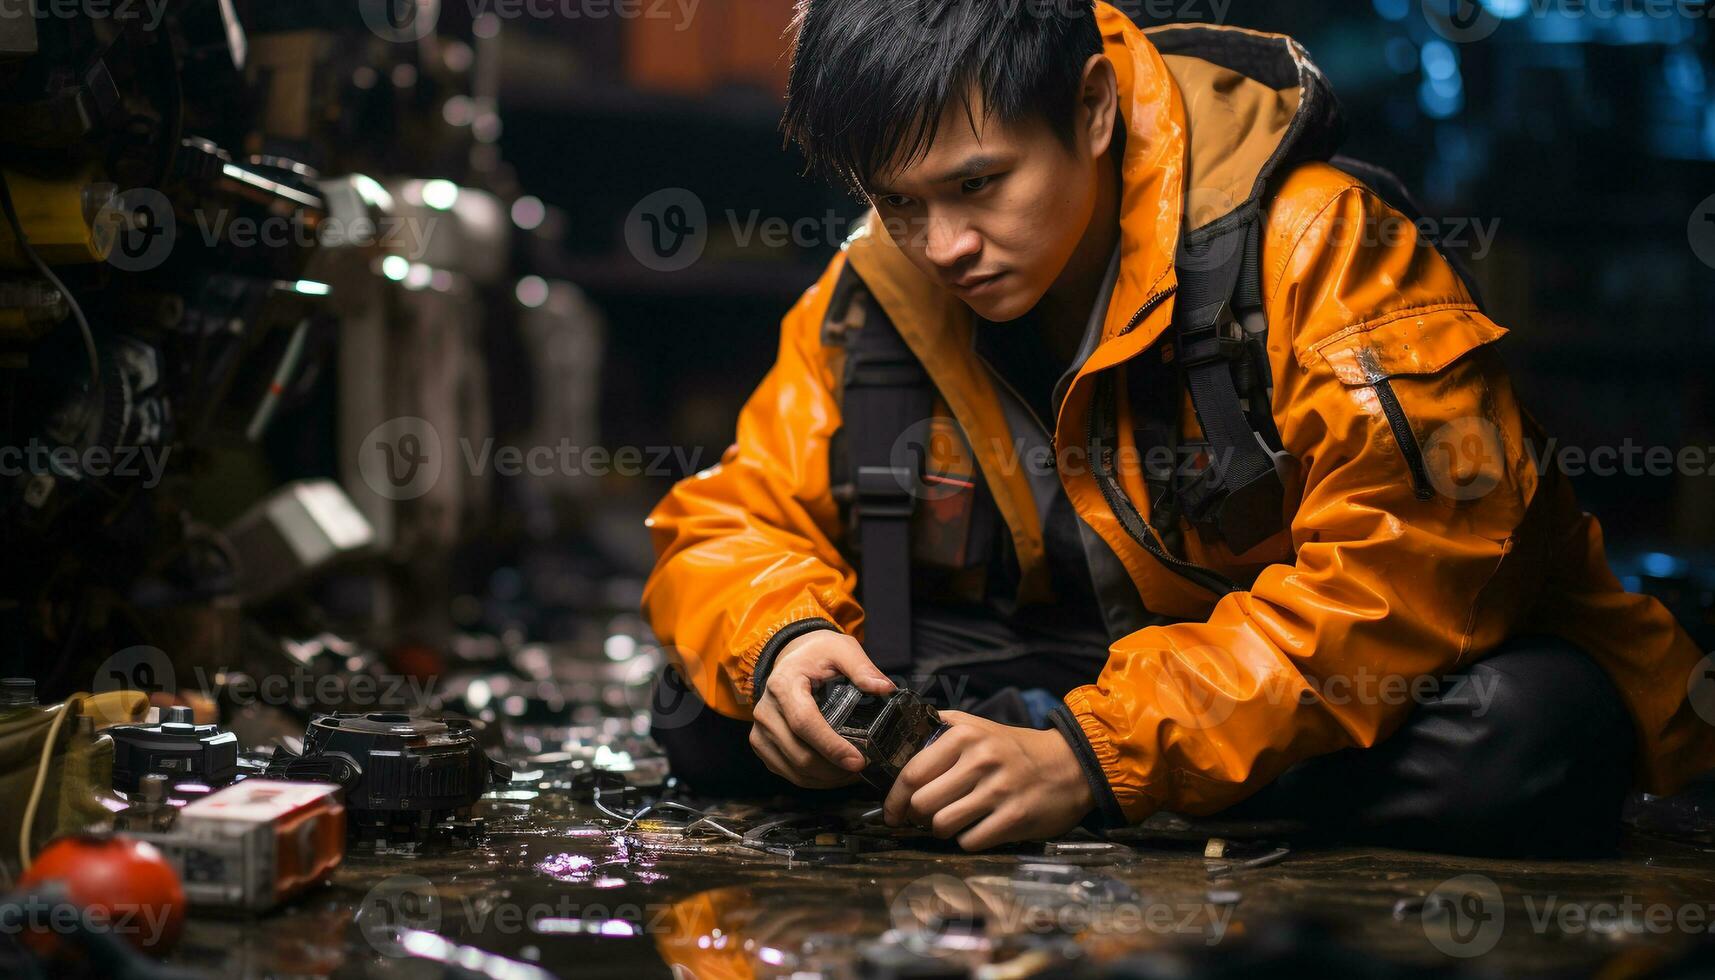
(1098, 104)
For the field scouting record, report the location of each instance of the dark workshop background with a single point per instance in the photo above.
(1591, 143)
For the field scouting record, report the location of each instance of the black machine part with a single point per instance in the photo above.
(395, 769)
(17, 692)
(888, 731)
(177, 748)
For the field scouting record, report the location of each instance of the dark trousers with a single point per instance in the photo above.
(1529, 752)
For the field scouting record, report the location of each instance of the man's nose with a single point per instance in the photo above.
(951, 242)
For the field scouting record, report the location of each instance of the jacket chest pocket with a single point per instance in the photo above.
(1431, 383)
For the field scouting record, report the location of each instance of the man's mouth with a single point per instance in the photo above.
(976, 283)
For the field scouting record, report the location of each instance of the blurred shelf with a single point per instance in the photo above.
(710, 277)
(726, 107)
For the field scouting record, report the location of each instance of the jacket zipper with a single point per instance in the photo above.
(1135, 523)
(1402, 434)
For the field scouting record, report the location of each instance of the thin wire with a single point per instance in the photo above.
(72, 704)
(30, 253)
(643, 811)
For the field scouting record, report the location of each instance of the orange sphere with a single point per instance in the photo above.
(124, 885)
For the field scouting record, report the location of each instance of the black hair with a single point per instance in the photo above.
(871, 78)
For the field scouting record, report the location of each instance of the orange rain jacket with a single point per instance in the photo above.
(1367, 581)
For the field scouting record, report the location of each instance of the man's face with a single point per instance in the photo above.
(992, 215)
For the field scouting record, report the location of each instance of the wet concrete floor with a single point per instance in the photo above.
(558, 888)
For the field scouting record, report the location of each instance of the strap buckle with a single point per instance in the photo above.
(886, 491)
(1214, 334)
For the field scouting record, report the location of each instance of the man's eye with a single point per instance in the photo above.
(976, 184)
(896, 201)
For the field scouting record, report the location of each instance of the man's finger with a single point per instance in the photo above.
(803, 758)
(999, 827)
(807, 723)
(863, 673)
(942, 792)
(962, 813)
(820, 775)
(763, 746)
(923, 768)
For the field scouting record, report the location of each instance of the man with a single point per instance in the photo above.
(1201, 487)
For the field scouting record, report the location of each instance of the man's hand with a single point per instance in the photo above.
(991, 784)
(789, 733)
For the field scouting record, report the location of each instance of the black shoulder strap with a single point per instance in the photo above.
(1219, 321)
(887, 393)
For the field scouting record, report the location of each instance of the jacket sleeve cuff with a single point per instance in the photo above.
(1126, 781)
(1107, 815)
(776, 643)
